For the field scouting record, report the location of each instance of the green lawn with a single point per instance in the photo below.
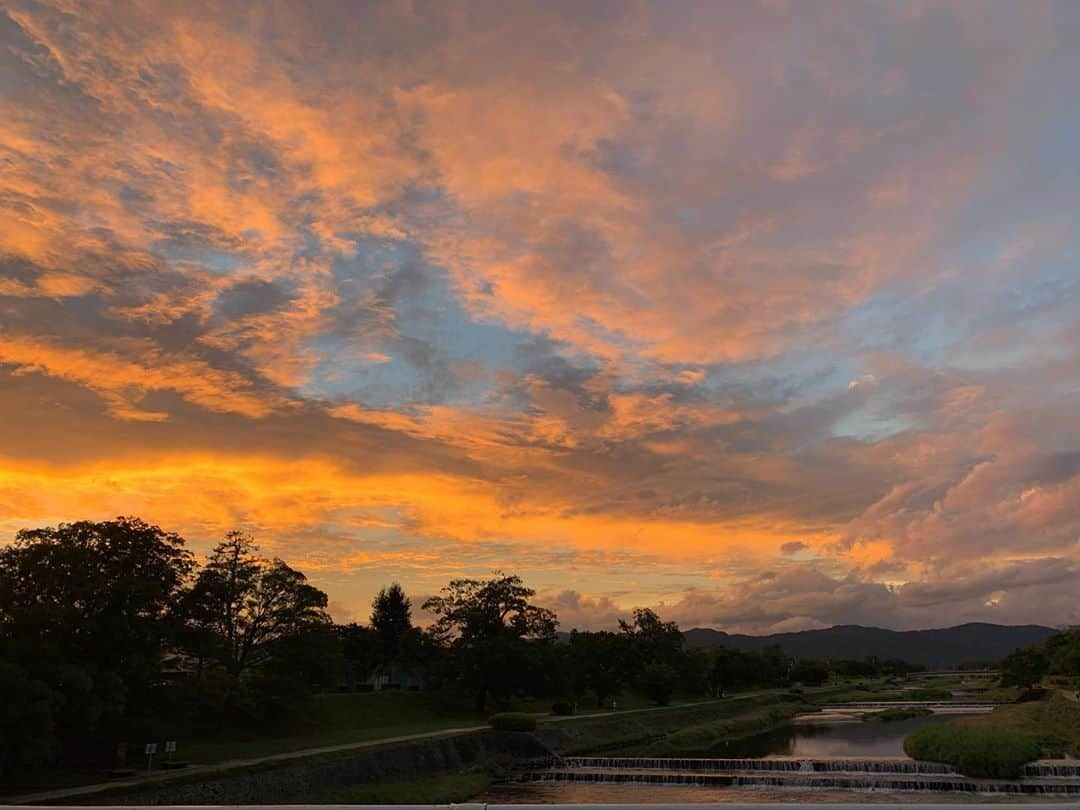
(336, 719)
(999, 743)
(1053, 722)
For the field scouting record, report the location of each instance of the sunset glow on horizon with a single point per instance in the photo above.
(764, 315)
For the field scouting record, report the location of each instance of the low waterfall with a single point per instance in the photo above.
(1054, 769)
(1049, 778)
(755, 764)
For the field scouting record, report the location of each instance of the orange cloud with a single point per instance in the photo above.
(131, 369)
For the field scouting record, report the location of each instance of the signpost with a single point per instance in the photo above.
(151, 749)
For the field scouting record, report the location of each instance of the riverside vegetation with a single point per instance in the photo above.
(110, 633)
(1043, 722)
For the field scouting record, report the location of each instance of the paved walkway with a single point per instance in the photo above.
(229, 764)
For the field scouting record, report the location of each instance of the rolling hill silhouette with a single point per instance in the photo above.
(941, 648)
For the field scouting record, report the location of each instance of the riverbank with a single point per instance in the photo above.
(443, 764)
(1053, 722)
(1002, 742)
(629, 731)
(287, 781)
(300, 775)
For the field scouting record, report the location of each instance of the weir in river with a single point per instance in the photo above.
(1047, 778)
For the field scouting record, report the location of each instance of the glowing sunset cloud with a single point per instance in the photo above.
(765, 313)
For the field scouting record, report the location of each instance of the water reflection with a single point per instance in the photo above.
(850, 739)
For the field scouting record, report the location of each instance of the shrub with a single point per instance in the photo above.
(893, 715)
(974, 750)
(512, 721)
(658, 682)
(563, 707)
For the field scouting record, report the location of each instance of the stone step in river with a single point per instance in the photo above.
(1049, 768)
(1050, 778)
(869, 765)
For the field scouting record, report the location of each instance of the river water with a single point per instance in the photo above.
(840, 739)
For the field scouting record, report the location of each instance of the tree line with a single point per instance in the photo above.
(111, 631)
(1059, 658)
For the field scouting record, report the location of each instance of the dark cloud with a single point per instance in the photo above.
(251, 297)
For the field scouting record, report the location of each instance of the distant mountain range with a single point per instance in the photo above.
(936, 649)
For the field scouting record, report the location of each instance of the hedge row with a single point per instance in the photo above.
(973, 750)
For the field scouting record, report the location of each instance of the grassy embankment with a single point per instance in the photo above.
(645, 733)
(746, 716)
(339, 719)
(335, 719)
(701, 738)
(342, 719)
(1000, 743)
(332, 719)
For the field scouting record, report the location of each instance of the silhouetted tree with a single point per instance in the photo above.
(27, 725)
(810, 673)
(488, 625)
(391, 622)
(653, 640)
(1063, 652)
(657, 682)
(1024, 667)
(735, 669)
(360, 649)
(86, 610)
(101, 594)
(242, 606)
(600, 662)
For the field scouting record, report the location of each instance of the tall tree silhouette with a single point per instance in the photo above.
(243, 605)
(487, 624)
(391, 620)
(86, 612)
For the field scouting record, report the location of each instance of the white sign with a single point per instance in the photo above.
(170, 747)
(151, 748)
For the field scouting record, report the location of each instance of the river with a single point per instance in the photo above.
(835, 740)
(840, 739)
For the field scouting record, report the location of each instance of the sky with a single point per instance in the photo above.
(764, 315)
